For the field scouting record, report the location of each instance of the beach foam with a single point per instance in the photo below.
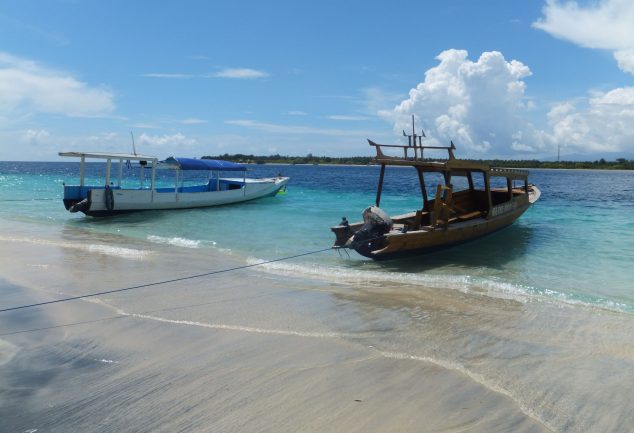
(122, 252)
(463, 283)
(176, 241)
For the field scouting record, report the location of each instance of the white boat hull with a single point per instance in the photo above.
(130, 200)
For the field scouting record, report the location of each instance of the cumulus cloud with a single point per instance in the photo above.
(27, 88)
(603, 125)
(606, 25)
(479, 105)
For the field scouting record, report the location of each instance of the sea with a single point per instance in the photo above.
(574, 246)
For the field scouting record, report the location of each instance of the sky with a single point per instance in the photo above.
(500, 78)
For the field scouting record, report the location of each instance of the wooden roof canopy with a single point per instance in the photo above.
(413, 155)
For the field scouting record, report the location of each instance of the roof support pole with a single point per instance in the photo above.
(509, 186)
(487, 187)
(380, 187)
(120, 173)
(470, 179)
(152, 181)
(108, 166)
(82, 170)
(421, 180)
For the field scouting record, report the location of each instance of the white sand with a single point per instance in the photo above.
(253, 352)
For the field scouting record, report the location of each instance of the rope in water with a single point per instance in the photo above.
(157, 283)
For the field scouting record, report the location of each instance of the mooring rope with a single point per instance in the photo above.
(157, 283)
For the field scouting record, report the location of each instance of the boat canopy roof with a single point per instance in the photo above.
(413, 156)
(201, 164)
(107, 155)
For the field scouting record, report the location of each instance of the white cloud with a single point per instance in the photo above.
(192, 121)
(344, 117)
(238, 73)
(243, 73)
(170, 142)
(606, 25)
(35, 136)
(166, 75)
(479, 105)
(28, 88)
(604, 125)
(293, 129)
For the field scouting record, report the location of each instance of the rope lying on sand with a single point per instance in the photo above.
(156, 283)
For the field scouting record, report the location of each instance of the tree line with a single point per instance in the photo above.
(601, 164)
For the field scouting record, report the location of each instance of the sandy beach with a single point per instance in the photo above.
(255, 351)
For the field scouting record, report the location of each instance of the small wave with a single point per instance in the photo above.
(128, 253)
(123, 252)
(240, 328)
(176, 241)
(463, 283)
(476, 377)
(107, 361)
(7, 351)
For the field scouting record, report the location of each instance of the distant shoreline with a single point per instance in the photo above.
(602, 164)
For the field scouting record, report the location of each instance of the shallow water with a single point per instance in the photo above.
(576, 245)
(479, 338)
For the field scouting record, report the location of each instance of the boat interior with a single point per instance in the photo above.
(448, 207)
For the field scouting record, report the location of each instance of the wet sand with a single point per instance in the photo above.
(253, 351)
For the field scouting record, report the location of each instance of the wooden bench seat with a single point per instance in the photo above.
(470, 215)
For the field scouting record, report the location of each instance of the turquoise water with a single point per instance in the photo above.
(576, 245)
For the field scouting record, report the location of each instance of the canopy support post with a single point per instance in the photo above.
(108, 165)
(380, 187)
(421, 179)
(82, 169)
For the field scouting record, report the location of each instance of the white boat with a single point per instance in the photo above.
(153, 193)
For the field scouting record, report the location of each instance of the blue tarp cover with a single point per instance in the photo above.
(204, 164)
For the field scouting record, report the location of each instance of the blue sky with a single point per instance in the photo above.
(508, 78)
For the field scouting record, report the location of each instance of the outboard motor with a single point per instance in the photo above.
(81, 206)
(376, 223)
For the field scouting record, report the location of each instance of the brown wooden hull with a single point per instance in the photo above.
(421, 242)
(397, 244)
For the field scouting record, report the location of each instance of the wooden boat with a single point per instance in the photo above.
(453, 216)
(110, 198)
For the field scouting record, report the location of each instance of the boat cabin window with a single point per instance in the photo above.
(478, 180)
(432, 180)
(499, 190)
(459, 182)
